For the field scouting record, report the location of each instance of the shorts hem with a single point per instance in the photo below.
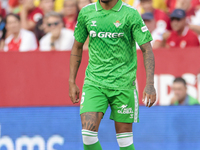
(124, 121)
(91, 111)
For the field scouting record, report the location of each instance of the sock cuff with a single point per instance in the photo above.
(124, 135)
(89, 133)
(125, 139)
(89, 137)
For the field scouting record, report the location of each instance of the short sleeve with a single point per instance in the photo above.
(80, 32)
(140, 31)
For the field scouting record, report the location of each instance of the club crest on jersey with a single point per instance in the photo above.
(94, 24)
(117, 23)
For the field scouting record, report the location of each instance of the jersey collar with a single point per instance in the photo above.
(117, 7)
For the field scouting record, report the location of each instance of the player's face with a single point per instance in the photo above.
(105, 1)
(180, 90)
(178, 24)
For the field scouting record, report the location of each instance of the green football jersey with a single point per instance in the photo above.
(112, 44)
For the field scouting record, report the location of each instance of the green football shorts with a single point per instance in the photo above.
(124, 103)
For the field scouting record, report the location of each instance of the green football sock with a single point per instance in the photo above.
(95, 146)
(125, 141)
(130, 147)
(90, 140)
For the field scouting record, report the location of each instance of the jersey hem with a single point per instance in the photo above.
(107, 87)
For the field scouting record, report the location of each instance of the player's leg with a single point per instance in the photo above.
(124, 111)
(124, 135)
(90, 125)
(93, 106)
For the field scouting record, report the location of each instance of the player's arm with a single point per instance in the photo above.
(143, 37)
(149, 93)
(80, 35)
(75, 61)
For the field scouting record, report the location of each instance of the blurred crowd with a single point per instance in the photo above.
(46, 25)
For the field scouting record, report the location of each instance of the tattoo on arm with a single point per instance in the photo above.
(79, 60)
(89, 121)
(149, 62)
(75, 55)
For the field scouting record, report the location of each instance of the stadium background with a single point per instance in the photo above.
(37, 114)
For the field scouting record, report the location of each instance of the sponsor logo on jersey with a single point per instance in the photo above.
(125, 110)
(93, 34)
(106, 34)
(144, 29)
(117, 24)
(94, 24)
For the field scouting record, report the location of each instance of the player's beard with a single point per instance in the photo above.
(105, 1)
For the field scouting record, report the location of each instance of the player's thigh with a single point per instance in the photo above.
(125, 107)
(93, 100)
(91, 120)
(93, 106)
(121, 127)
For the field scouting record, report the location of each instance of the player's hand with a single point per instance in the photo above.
(149, 95)
(74, 92)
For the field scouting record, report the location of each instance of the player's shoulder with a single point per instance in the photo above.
(128, 7)
(130, 11)
(89, 7)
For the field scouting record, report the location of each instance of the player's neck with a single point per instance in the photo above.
(109, 5)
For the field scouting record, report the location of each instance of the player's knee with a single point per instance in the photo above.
(89, 137)
(125, 139)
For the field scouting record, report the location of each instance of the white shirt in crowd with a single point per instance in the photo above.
(63, 43)
(28, 41)
(157, 35)
(195, 19)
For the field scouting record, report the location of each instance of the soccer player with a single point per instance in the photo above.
(113, 28)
